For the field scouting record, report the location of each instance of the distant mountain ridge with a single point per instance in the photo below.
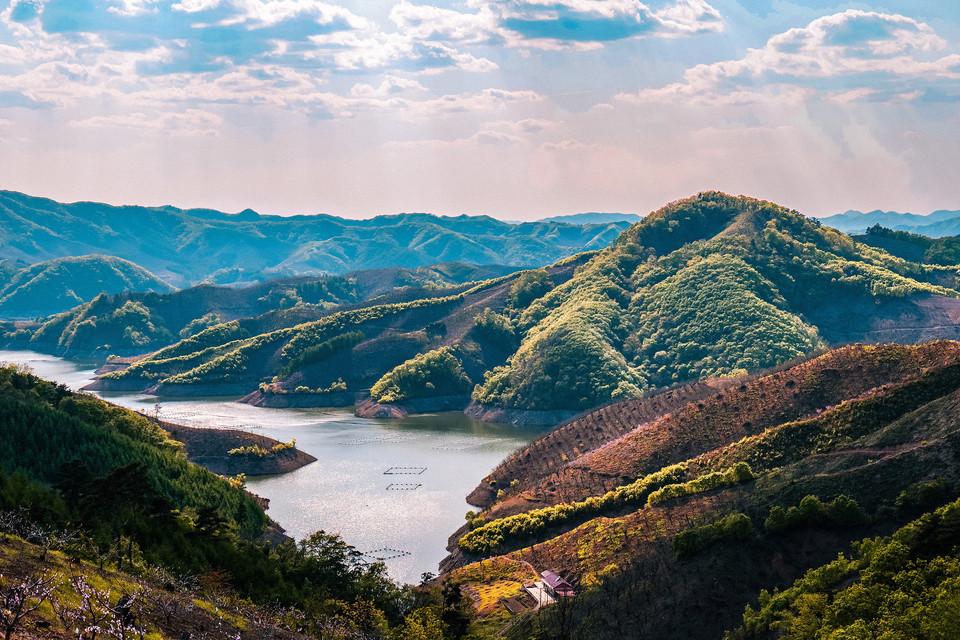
(186, 247)
(934, 225)
(594, 218)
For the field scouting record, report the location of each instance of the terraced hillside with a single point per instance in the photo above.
(669, 529)
(349, 348)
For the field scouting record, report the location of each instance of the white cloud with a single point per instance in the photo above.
(478, 139)
(192, 122)
(525, 126)
(391, 85)
(426, 22)
(839, 53)
(195, 6)
(133, 7)
(271, 12)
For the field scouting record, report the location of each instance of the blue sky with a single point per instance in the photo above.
(517, 109)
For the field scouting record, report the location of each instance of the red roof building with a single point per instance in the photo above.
(555, 585)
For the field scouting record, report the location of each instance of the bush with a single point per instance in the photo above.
(486, 537)
(496, 329)
(737, 474)
(529, 286)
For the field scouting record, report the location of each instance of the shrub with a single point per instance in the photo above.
(737, 474)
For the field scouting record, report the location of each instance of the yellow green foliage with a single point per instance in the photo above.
(491, 535)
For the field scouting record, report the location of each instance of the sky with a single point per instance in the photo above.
(517, 109)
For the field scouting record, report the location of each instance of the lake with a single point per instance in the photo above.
(394, 489)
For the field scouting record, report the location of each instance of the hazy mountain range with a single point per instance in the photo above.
(935, 225)
(185, 247)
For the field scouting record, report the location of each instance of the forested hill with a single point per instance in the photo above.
(56, 285)
(671, 514)
(133, 324)
(187, 247)
(708, 286)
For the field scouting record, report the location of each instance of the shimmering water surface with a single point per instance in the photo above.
(437, 460)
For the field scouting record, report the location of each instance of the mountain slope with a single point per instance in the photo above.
(56, 285)
(913, 247)
(191, 246)
(669, 528)
(245, 355)
(708, 286)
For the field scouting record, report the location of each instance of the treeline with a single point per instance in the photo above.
(486, 537)
(943, 251)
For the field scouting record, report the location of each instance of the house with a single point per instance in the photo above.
(555, 585)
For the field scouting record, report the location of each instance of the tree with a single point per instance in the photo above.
(19, 598)
(423, 624)
(529, 286)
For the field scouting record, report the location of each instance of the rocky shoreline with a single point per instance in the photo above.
(521, 417)
(302, 400)
(369, 408)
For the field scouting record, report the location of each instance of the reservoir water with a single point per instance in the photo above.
(394, 489)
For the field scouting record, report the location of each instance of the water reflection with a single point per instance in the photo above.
(354, 487)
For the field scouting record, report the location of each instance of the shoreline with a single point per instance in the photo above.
(208, 447)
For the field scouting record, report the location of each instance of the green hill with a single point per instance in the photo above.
(57, 285)
(671, 515)
(709, 286)
(187, 247)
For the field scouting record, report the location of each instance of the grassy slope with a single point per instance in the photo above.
(874, 444)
